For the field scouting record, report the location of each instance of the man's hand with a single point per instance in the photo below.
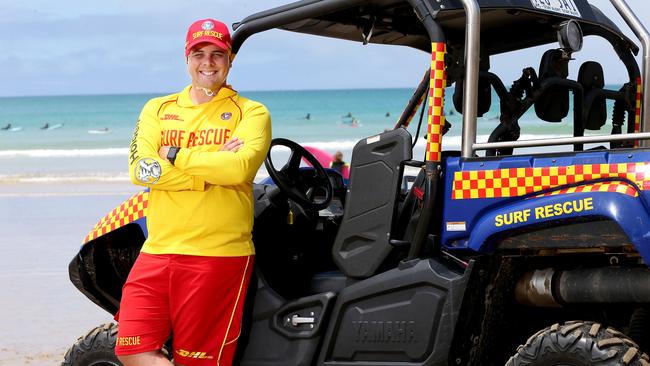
(233, 145)
(164, 150)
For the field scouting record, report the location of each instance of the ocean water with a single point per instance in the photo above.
(76, 147)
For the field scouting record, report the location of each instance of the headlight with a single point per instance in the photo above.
(569, 35)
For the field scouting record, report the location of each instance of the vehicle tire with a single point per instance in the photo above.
(579, 344)
(96, 348)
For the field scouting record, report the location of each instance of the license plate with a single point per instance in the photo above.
(566, 7)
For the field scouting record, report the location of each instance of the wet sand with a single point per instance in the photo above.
(41, 228)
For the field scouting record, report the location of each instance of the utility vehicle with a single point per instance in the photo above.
(493, 254)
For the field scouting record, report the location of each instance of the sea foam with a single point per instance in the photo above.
(64, 153)
(448, 141)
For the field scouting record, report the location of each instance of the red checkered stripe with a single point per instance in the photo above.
(637, 110)
(514, 182)
(415, 109)
(615, 187)
(129, 211)
(435, 117)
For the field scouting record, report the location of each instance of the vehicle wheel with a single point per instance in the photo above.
(96, 348)
(579, 344)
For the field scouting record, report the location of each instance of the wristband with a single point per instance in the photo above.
(171, 154)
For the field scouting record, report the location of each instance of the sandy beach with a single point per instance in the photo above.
(42, 225)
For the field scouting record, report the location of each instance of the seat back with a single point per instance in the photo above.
(363, 240)
(484, 96)
(484, 92)
(594, 107)
(553, 104)
(406, 220)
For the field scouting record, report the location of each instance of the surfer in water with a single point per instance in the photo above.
(8, 126)
(100, 130)
(48, 126)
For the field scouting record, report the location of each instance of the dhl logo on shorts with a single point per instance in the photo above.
(514, 182)
(196, 354)
(129, 211)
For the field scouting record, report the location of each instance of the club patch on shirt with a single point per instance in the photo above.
(147, 171)
(226, 116)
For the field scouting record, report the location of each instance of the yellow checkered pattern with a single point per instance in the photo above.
(616, 187)
(415, 109)
(637, 110)
(129, 211)
(514, 182)
(435, 116)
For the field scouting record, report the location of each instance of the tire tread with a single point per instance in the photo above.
(100, 339)
(583, 343)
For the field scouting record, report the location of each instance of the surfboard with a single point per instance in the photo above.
(54, 126)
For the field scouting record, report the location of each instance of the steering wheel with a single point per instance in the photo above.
(292, 181)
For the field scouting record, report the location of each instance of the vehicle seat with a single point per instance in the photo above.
(485, 80)
(594, 107)
(484, 96)
(406, 222)
(553, 104)
(363, 240)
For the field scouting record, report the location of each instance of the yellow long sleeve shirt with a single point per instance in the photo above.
(203, 204)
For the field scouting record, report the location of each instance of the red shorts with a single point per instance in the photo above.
(199, 299)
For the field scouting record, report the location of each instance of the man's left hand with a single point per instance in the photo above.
(232, 145)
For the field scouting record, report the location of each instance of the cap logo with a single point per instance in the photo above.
(207, 25)
(226, 116)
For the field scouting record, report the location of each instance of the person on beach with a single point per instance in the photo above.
(198, 152)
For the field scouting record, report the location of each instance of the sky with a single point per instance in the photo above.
(73, 47)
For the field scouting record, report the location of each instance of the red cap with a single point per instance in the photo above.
(207, 30)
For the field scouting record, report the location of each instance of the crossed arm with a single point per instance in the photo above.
(236, 162)
(240, 164)
(232, 145)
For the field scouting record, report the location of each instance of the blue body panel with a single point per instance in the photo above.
(142, 222)
(472, 223)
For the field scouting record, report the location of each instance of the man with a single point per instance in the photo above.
(198, 152)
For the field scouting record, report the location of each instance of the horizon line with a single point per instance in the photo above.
(167, 93)
(161, 93)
